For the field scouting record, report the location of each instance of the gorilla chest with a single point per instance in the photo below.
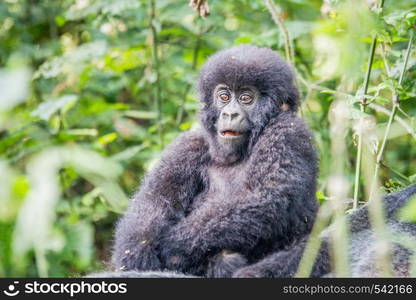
(222, 186)
(226, 181)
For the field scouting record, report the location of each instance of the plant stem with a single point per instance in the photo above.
(274, 11)
(363, 106)
(188, 86)
(406, 60)
(391, 118)
(41, 262)
(402, 122)
(314, 242)
(158, 99)
(375, 208)
(377, 218)
(396, 172)
(289, 48)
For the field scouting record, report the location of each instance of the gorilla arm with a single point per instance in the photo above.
(164, 195)
(285, 263)
(278, 204)
(214, 227)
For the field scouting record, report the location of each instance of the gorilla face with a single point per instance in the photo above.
(234, 107)
(242, 89)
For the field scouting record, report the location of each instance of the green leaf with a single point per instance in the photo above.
(46, 109)
(107, 138)
(408, 212)
(128, 153)
(119, 60)
(34, 225)
(82, 132)
(185, 126)
(81, 242)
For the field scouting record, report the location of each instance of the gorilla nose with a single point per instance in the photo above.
(230, 115)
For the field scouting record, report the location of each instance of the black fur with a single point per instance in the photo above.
(192, 206)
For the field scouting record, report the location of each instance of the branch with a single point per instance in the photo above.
(277, 18)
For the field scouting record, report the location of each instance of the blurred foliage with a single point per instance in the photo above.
(92, 90)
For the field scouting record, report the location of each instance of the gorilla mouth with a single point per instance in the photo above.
(230, 133)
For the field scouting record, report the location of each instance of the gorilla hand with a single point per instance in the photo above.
(224, 264)
(141, 257)
(175, 255)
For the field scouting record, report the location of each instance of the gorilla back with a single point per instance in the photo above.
(363, 246)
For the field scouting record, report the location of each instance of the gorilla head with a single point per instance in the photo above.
(242, 88)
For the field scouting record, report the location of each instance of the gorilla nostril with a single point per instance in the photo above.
(234, 116)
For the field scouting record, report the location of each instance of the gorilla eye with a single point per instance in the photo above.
(246, 98)
(224, 97)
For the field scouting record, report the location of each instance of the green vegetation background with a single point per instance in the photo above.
(91, 91)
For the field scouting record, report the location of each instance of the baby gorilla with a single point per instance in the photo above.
(235, 192)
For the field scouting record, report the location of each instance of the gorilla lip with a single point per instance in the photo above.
(230, 133)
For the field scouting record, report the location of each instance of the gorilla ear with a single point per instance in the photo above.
(284, 107)
(292, 102)
(284, 91)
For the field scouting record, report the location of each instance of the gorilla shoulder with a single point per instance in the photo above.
(288, 126)
(192, 143)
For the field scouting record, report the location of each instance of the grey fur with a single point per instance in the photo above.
(362, 246)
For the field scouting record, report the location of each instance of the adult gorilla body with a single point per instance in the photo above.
(234, 192)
